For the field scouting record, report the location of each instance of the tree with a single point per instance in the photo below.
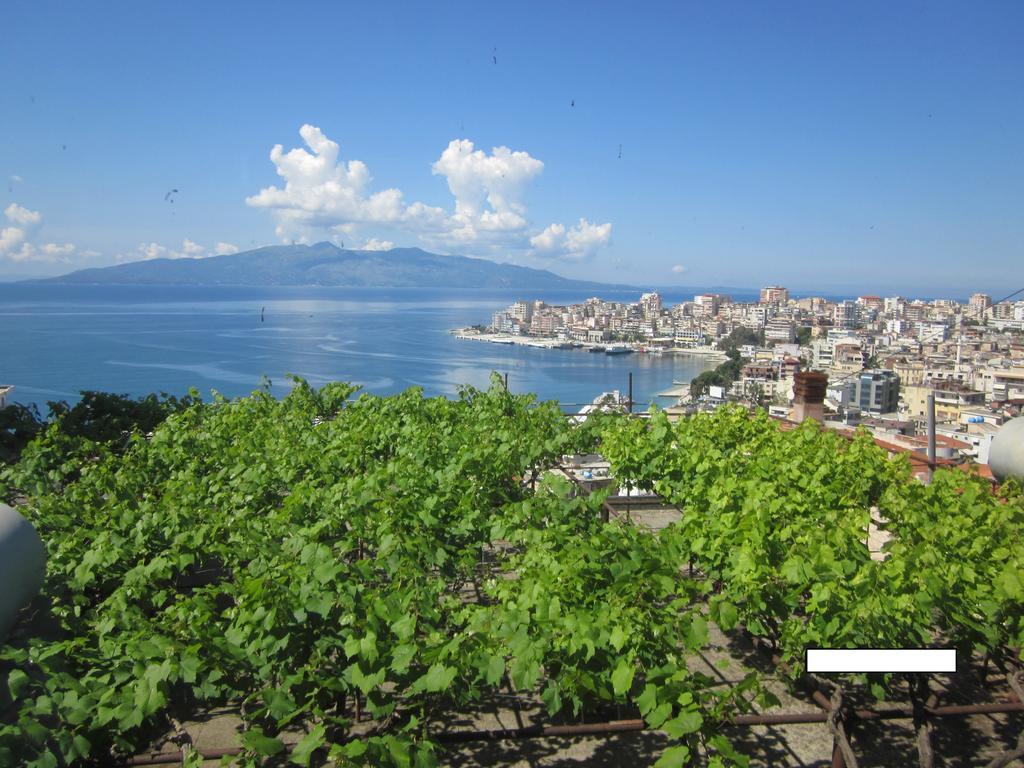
(730, 370)
(99, 416)
(739, 337)
(803, 336)
(18, 425)
(700, 385)
(105, 417)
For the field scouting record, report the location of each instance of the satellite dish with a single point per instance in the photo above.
(1006, 454)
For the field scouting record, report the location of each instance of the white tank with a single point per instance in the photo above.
(1006, 455)
(22, 566)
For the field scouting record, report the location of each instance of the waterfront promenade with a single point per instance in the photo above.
(655, 346)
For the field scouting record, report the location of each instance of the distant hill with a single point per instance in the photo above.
(325, 264)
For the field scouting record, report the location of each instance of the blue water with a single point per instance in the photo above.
(57, 340)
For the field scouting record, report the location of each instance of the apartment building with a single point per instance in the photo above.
(706, 305)
(951, 400)
(501, 322)
(847, 356)
(780, 330)
(872, 302)
(930, 333)
(844, 315)
(877, 391)
(774, 294)
(546, 324)
(651, 305)
(1001, 383)
(522, 311)
(978, 304)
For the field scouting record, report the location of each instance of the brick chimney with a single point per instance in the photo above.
(809, 395)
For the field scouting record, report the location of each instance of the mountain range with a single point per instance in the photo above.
(324, 264)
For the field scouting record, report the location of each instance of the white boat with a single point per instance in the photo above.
(608, 402)
(618, 349)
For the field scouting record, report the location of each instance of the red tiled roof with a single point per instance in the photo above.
(918, 460)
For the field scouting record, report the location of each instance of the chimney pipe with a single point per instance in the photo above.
(809, 395)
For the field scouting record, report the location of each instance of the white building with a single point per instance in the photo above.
(651, 304)
(779, 330)
(706, 305)
(978, 303)
(931, 333)
(844, 315)
(522, 311)
(774, 294)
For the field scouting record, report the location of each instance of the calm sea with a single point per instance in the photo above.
(57, 340)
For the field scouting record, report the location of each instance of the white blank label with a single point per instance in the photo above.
(881, 660)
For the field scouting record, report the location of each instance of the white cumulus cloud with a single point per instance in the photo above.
(488, 189)
(11, 238)
(576, 243)
(152, 251)
(22, 216)
(189, 250)
(373, 244)
(19, 243)
(324, 193)
(53, 249)
(16, 241)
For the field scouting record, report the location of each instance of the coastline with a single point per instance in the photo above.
(545, 342)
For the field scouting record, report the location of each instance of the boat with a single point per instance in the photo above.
(607, 401)
(597, 348)
(618, 349)
(502, 341)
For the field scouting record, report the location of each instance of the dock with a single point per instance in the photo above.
(676, 391)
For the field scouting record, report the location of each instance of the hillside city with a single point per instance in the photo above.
(882, 356)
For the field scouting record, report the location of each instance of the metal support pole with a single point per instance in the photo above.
(630, 392)
(506, 381)
(622, 726)
(931, 434)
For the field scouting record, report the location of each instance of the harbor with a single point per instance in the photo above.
(651, 347)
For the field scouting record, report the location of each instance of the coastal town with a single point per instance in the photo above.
(877, 362)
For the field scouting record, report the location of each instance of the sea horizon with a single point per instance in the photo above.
(672, 293)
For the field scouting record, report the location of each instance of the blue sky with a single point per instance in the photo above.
(824, 146)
